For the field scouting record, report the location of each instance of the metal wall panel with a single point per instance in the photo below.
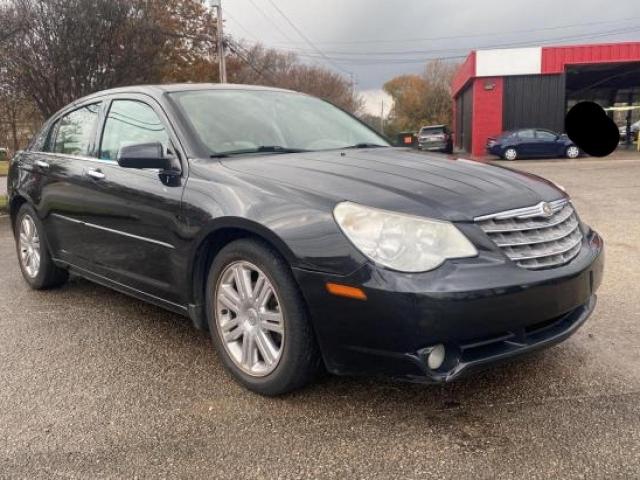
(464, 117)
(536, 101)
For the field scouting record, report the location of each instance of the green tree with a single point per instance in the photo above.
(421, 99)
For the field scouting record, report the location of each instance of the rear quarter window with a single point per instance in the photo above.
(39, 143)
(75, 132)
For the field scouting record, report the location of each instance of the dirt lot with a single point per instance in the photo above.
(94, 384)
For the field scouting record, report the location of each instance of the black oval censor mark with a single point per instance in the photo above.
(589, 127)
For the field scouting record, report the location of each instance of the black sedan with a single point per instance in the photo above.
(532, 143)
(298, 237)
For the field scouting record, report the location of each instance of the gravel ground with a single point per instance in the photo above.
(94, 384)
(3, 185)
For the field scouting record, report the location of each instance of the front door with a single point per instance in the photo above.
(132, 219)
(548, 143)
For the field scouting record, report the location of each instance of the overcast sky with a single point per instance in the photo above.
(376, 40)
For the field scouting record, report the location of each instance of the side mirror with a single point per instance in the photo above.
(144, 155)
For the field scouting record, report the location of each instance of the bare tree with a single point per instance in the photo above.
(19, 118)
(56, 51)
(259, 65)
(70, 48)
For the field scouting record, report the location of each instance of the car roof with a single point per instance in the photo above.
(537, 129)
(158, 90)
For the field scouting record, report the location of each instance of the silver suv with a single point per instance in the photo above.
(435, 138)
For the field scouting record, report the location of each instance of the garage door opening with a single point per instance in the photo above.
(615, 87)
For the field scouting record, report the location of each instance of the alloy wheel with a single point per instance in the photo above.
(510, 154)
(249, 318)
(29, 243)
(573, 152)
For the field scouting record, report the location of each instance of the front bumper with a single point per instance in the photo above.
(483, 310)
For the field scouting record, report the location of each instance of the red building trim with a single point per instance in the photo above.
(487, 112)
(555, 59)
(466, 72)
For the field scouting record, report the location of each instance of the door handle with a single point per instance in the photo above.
(95, 174)
(41, 164)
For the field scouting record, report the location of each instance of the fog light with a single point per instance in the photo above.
(436, 357)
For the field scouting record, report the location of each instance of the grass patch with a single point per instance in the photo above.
(4, 168)
(3, 204)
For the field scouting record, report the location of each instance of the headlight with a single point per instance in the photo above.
(401, 242)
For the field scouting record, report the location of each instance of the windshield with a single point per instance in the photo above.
(260, 121)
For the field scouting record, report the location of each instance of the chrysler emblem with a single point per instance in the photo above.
(547, 211)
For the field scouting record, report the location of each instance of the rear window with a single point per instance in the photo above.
(432, 131)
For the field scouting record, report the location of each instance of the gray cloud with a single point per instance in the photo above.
(368, 37)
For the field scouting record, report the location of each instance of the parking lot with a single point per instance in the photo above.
(94, 384)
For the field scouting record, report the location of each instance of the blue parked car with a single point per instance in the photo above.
(532, 143)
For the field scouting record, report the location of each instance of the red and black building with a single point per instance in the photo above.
(505, 89)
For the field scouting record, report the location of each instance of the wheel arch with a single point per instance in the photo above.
(14, 206)
(214, 238)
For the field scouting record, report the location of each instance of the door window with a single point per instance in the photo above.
(546, 136)
(130, 122)
(75, 132)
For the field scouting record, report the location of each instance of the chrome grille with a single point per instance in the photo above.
(546, 235)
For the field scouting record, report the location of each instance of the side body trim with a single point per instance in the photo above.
(111, 230)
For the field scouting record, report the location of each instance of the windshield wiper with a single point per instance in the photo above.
(364, 145)
(261, 149)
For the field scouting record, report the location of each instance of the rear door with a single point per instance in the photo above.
(65, 192)
(527, 146)
(133, 223)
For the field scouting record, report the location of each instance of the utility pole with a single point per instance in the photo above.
(222, 61)
(354, 81)
(382, 118)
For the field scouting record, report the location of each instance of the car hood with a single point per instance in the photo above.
(401, 180)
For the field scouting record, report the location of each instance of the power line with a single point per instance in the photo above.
(306, 39)
(452, 53)
(488, 34)
(616, 31)
(271, 22)
(228, 15)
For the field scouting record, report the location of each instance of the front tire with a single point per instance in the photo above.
(510, 154)
(572, 152)
(258, 319)
(36, 264)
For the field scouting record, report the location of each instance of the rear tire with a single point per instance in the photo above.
(449, 148)
(284, 361)
(510, 154)
(32, 248)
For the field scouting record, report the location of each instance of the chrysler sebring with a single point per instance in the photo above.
(299, 237)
